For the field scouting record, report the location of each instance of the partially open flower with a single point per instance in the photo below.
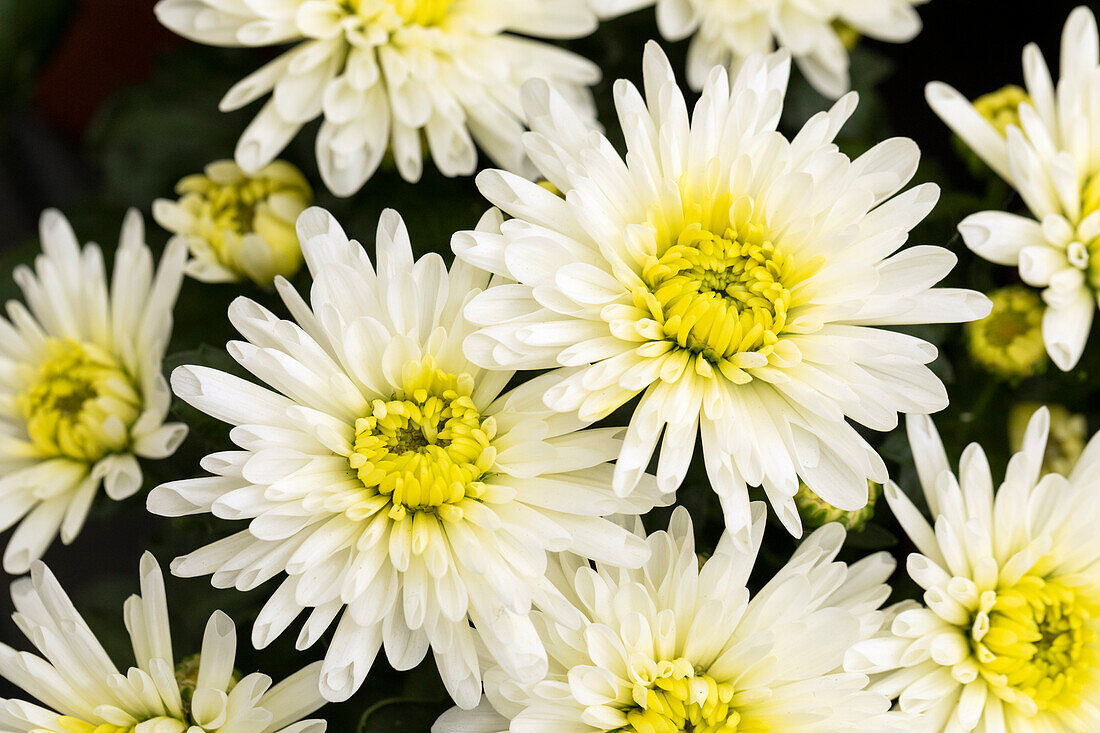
(238, 225)
(1009, 341)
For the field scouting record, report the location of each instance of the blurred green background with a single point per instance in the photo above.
(101, 110)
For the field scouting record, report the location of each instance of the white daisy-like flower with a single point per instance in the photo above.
(84, 692)
(1052, 158)
(816, 33)
(674, 646)
(1007, 637)
(82, 396)
(388, 477)
(733, 277)
(389, 74)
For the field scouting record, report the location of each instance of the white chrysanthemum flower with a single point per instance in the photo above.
(387, 74)
(733, 276)
(84, 692)
(674, 646)
(1007, 637)
(387, 475)
(815, 32)
(1050, 157)
(82, 396)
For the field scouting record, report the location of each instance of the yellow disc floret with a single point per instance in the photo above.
(717, 286)
(427, 447)
(80, 403)
(1009, 341)
(1034, 643)
(1001, 108)
(670, 697)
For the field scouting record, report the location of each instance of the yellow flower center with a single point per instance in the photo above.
(80, 403)
(718, 287)
(1009, 341)
(670, 697)
(1001, 108)
(413, 12)
(228, 204)
(1090, 204)
(427, 447)
(1035, 641)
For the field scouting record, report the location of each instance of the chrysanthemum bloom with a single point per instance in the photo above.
(239, 226)
(388, 477)
(1009, 341)
(674, 647)
(1068, 434)
(84, 692)
(1050, 159)
(817, 33)
(387, 74)
(81, 391)
(732, 276)
(1006, 639)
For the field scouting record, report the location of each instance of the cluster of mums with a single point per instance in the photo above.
(738, 281)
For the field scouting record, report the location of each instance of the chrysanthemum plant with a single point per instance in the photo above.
(627, 432)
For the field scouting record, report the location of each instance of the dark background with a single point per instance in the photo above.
(101, 109)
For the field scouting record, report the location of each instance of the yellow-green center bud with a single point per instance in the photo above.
(671, 697)
(816, 512)
(80, 403)
(237, 225)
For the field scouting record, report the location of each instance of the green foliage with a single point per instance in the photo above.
(28, 31)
